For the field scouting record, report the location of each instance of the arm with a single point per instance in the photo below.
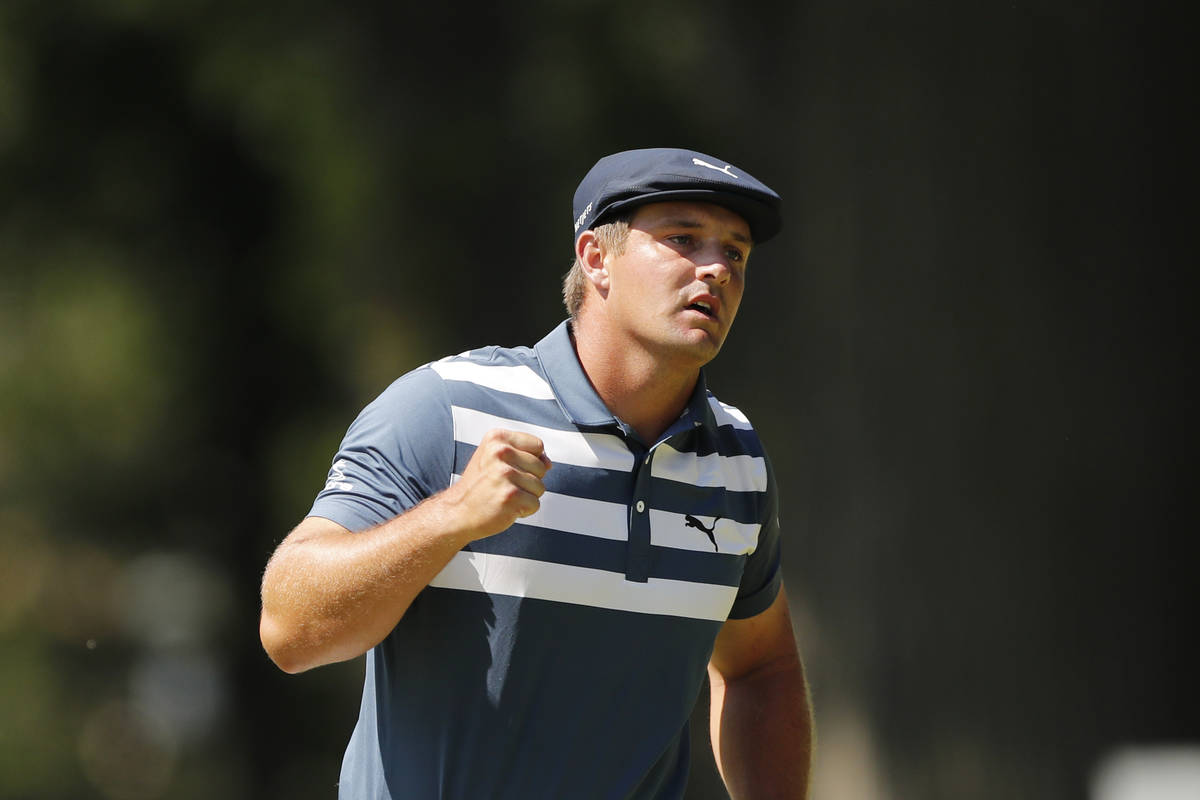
(330, 595)
(761, 718)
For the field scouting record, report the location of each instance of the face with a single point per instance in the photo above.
(676, 287)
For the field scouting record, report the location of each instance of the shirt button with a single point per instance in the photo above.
(641, 506)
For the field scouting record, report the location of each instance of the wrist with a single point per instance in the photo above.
(448, 517)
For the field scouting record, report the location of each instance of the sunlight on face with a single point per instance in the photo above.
(677, 286)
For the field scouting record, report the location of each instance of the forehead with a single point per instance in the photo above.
(692, 213)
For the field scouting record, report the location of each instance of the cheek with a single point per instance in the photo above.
(734, 299)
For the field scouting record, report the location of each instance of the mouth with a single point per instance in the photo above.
(705, 307)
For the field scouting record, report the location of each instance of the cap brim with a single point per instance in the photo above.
(765, 221)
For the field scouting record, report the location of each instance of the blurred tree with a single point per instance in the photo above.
(224, 229)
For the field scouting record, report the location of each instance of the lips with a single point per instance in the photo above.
(706, 304)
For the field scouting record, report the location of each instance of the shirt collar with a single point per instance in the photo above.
(699, 412)
(579, 400)
(571, 386)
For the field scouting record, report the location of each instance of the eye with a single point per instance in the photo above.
(681, 239)
(735, 255)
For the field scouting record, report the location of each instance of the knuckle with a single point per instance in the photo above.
(492, 452)
(494, 439)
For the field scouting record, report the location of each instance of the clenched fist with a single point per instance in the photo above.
(502, 482)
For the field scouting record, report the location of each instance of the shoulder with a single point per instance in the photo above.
(428, 382)
(493, 357)
(727, 415)
(510, 370)
(421, 389)
(735, 432)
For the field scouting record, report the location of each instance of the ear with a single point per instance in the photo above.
(592, 257)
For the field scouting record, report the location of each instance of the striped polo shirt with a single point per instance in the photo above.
(562, 657)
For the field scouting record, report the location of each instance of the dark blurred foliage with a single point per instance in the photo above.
(224, 228)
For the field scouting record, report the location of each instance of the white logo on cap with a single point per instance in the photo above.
(699, 163)
(579, 220)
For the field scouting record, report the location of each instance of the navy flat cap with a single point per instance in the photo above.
(661, 174)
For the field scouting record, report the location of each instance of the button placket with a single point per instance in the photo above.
(637, 563)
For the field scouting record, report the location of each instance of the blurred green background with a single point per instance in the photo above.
(225, 227)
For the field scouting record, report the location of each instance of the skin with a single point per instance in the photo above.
(330, 595)
(760, 716)
(639, 339)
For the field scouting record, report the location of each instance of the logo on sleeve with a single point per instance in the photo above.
(692, 522)
(337, 477)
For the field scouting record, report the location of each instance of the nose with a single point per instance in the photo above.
(714, 269)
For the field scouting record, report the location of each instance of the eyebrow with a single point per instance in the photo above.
(683, 222)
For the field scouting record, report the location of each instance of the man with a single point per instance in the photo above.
(542, 549)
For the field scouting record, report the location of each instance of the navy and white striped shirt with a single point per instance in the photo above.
(560, 658)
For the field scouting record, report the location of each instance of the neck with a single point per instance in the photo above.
(638, 388)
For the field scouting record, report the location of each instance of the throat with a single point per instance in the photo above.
(649, 407)
(646, 389)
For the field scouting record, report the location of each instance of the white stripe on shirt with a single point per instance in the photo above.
(602, 450)
(582, 515)
(735, 473)
(729, 415)
(563, 583)
(604, 520)
(520, 379)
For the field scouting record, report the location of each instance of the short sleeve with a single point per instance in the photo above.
(399, 451)
(762, 577)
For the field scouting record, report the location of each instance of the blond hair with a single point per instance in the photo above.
(611, 236)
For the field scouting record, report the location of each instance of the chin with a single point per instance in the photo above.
(704, 349)
(696, 346)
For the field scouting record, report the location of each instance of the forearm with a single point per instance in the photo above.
(330, 595)
(762, 732)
